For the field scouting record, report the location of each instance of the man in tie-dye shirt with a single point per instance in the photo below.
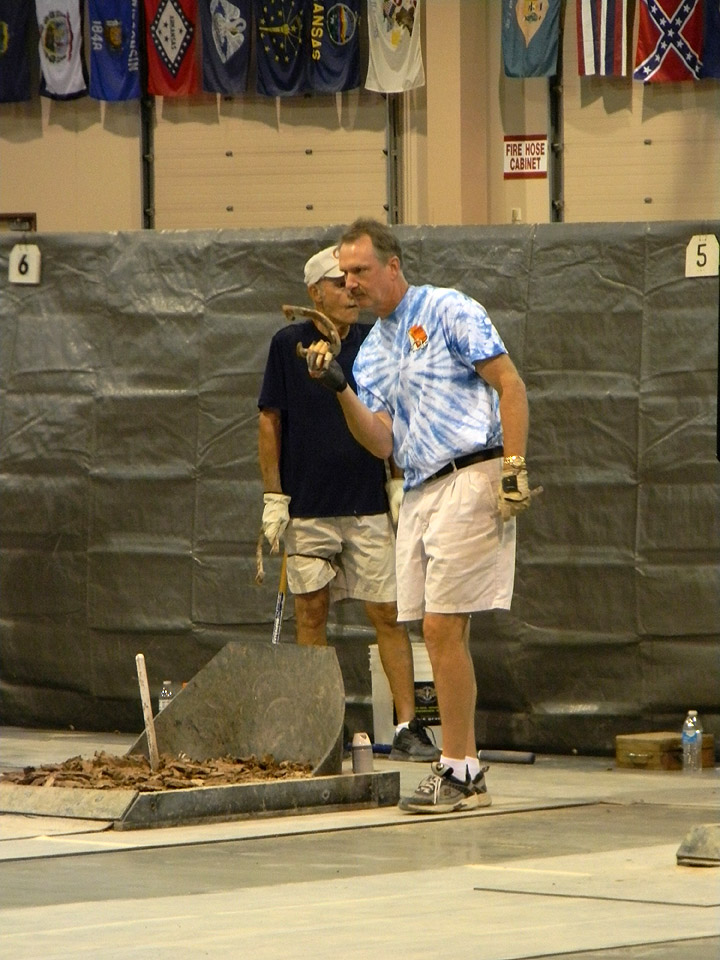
(437, 390)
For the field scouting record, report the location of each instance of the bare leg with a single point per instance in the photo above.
(447, 641)
(396, 656)
(311, 613)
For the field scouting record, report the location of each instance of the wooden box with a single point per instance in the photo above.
(658, 751)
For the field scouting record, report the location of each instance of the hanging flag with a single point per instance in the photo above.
(334, 62)
(114, 49)
(170, 40)
(225, 27)
(530, 37)
(281, 40)
(14, 61)
(62, 66)
(395, 58)
(711, 44)
(670, 38)
(602, 35)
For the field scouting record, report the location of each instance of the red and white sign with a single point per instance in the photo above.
(525, 157)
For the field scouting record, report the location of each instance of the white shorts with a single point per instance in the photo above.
(454, 552)
(355, 555)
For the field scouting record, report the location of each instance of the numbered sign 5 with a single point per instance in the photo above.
(701, 256)
(24, 265)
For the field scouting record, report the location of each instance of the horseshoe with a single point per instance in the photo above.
(325, 324)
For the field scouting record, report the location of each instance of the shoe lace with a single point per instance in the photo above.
(422, 732)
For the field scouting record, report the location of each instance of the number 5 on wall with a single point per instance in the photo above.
(24, 264)
(701, 256)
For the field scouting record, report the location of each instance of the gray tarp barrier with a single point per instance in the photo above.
(131, 495)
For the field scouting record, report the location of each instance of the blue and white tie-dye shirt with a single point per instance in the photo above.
(417, 365)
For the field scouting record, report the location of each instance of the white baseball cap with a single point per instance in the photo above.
(321, 265)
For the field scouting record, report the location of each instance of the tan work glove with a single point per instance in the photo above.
(394, 491)
(514, 492)
(275, 518)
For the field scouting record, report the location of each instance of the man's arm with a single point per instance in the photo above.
(500, 372)
(269, 437)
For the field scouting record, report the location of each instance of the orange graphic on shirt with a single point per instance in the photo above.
(418, 337)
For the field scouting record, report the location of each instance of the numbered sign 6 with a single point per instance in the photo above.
(24, 264)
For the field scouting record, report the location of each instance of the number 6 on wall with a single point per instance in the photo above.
(701, 256)
(24, 264)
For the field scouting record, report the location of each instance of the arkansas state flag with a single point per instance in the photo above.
(711, 46)
(226, 32)
(14, 60)
(530, 37)
(62, 66)
(394, 58)
(670, 38)
(170, 35)
(602, 35)
(114, 49)
(334, 61)
(280, 27)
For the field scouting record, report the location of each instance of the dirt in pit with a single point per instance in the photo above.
(132, 772)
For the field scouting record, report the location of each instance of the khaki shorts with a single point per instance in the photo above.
(355, 555)
(454, 552)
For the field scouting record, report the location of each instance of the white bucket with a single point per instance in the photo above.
(426, 708)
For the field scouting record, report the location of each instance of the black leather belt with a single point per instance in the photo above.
(492, 453)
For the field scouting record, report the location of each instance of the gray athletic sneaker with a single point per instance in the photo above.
(441, 792)
(413, 743)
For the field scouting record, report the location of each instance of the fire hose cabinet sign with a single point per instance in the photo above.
(525, 157)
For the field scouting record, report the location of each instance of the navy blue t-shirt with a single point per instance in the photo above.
(323, 469)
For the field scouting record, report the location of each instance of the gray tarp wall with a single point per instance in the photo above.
(131, 495)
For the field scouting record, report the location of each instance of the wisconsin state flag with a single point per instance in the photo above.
(670, 38)
(280, 27)
(226, 27)
(530, 37)
(14, 61)
(114, 49)
(334, 61)
(170, 27)
(60, 46)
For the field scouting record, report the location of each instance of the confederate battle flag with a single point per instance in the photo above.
(670, 41)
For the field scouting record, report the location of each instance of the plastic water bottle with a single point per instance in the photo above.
(166, 695)
(692, 743)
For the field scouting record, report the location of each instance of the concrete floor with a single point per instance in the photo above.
(575, 858)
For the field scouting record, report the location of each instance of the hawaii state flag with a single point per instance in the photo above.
(226, 27)
(395, 57)
(602, 35)
(281, 32)
(170, 27)
(530, 37)
(711, 46)
(670, 38)
(14, 61)
(334, 52)
(114, 49)
(62, 67)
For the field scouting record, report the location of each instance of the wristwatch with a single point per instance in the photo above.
(514, 463)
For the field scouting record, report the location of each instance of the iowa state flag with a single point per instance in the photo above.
(395, 57)
(670, 37)
(170, 27)
(280, 28)
(14, 61)
(530, 37)
(62, 67)
(226, 27)
(334, 49)
(602, 36)
(114, 49)
(711, 45)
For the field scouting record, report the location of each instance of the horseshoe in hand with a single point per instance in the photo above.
(323, 322)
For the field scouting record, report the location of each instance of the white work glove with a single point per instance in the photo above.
(275, 518)
(514, 492)
(394, 491)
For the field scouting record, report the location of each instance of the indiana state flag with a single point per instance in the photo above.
(334, 60)
(280, 28)
(14, 61)
(114, 49)
(226, 27)
(711, 46)
(530, 37)
(62, 66)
